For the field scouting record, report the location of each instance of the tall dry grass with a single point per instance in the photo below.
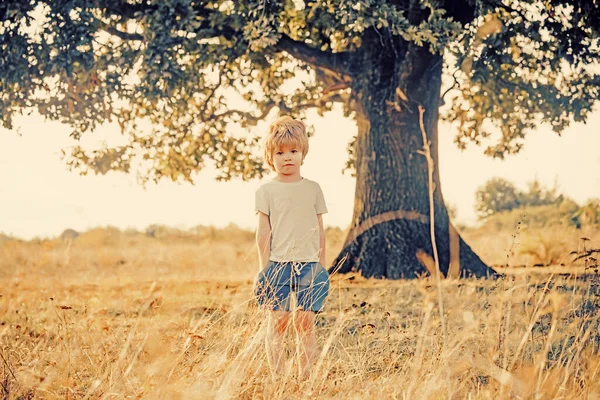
(527, 246)
(138, 317)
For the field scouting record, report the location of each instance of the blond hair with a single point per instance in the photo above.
(285, 131)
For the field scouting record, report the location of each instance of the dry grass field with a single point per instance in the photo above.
(123, 315)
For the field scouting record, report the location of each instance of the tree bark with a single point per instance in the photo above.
(390, 231)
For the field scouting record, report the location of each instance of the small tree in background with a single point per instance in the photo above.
(495, 196)
(537, 195)
(498, 195)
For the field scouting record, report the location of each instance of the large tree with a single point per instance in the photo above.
(180, 64)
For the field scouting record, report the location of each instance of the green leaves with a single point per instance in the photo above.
(520, 67)
(194, 69)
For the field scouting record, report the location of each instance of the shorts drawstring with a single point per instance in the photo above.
(283, 285)
(297, 268)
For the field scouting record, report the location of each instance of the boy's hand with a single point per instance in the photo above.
(322, 241)
(263, 240)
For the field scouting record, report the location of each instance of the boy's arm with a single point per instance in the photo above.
(263, 240)
(322, 244)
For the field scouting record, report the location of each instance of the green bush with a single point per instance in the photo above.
(495, 196)
(565, 213)
(499, 195)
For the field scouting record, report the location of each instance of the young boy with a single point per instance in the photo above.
(291, 245)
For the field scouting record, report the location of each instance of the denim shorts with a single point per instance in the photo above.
(308, 281)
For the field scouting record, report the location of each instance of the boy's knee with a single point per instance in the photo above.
(304, 321)
(281, 324)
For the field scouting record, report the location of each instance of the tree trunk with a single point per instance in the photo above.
(390, 230)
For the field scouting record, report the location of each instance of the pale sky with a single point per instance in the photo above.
(39, 197)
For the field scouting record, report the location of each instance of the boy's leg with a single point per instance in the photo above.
(307, 343)
(278, 322)
(313, 288)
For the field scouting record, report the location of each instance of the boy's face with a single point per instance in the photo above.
(287, 160)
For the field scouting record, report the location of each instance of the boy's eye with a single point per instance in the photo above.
(294, 151)
(279, 153)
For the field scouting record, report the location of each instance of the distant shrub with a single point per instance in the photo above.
(69, 234)
(167, 232)
(206, 232)
(335, 236)
(589, 214)
(235, 234)
(495, 196)
(537, 195)
(563, 212)
(100, 236)
(132, 232)
(452, 211)
(6, 238)
(499, 195)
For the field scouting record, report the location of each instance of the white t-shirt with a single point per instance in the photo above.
(292, 209)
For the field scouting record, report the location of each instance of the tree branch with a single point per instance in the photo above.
(114, 31)
(212, 92)
(333, 64)
(455, 83)
(249, 117)
(122, 8)
(331, 96)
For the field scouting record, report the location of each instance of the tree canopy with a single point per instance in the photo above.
(180, 64)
